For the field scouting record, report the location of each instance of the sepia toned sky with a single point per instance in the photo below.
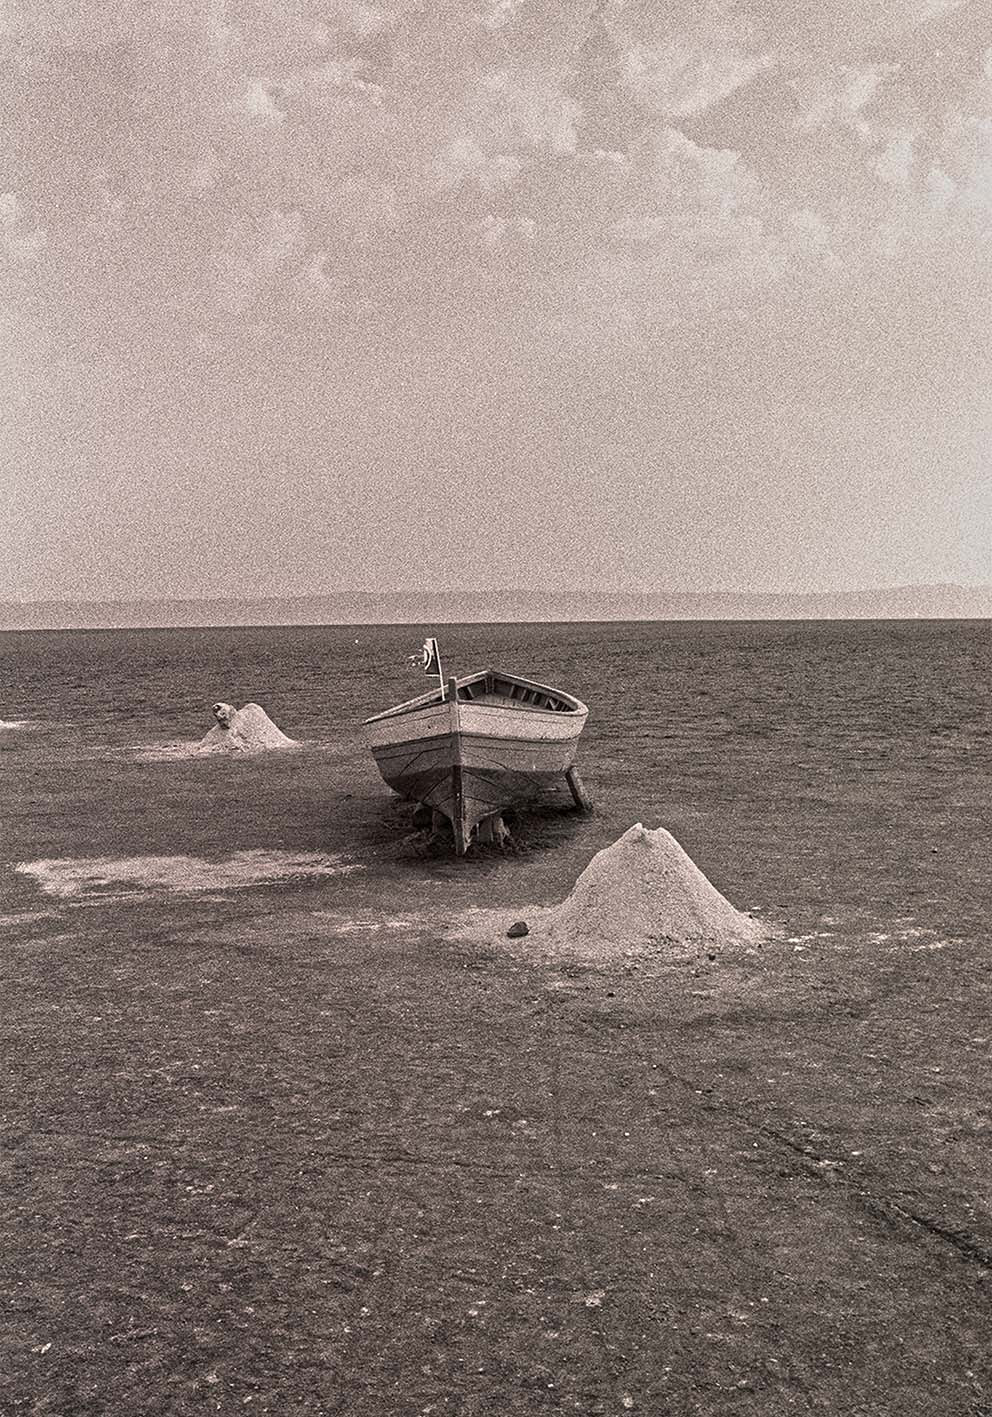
(299, 295)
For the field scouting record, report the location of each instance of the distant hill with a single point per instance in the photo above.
(924, 602)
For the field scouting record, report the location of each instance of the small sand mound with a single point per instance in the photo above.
(244, 730)
(644, 890)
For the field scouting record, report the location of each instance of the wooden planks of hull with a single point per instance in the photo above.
(468, 778)
(474, 750)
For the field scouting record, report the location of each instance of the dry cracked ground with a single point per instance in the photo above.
(262, 1155)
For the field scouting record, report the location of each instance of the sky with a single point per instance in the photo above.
(304, 295)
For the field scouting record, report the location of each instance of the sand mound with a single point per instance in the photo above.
(641, 895)
(645, 889)
(244, 730)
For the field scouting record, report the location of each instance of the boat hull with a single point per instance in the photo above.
(482, 773)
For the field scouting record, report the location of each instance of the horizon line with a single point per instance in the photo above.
(514, 591)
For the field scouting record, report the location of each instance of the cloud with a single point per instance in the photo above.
(508, 121)
(463, 159)
(973, 168)
(405, 138)
(689, 72)
(575, 230)
(699, 231)
(940, 189)
(839, 94)
(317, 272)
(259, 102)
(348, 76)
(205, 171)
(811, 233)
(498, 13)
(282, 235)
(894, 163)
(694, 188)
(257, 257)
(364, 20)
(531, 109)
(20, 242)
(495, 230)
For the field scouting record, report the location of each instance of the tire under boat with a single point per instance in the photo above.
(489, 740)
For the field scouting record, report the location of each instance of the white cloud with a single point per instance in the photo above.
(602, 158)
(810, 233)
(385, 119)
(508, 121)
(495, 230)
(498, 13)
(463, 159)
(961, 182)
(317, 272)
(281, 237)
(258, 256)
(205, 171)
(532, 109)
(686, 74)
(894, 163)
(840, 94)
(940, 188)
(365, 20)
(220, 35)
(698, 203)
(19, 241)
(346, 75)
(259, 102)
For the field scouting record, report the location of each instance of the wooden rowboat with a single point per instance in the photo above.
(484, 742)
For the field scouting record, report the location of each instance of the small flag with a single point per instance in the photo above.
(428, 659)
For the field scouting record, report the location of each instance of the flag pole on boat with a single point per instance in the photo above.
(432, 662)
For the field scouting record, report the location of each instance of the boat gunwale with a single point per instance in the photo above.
(432, 699)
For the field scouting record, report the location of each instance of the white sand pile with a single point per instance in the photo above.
(641, 895)
(641, 891)
(243, 730)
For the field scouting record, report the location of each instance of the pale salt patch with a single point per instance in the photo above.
(92, 876)
(641, 895)
(27, 917)
(362, 927)
(339, 924)
(11, 723)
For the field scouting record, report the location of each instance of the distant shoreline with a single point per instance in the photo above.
(924, 602)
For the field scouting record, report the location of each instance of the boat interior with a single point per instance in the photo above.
(505, 691)
(496, 689)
